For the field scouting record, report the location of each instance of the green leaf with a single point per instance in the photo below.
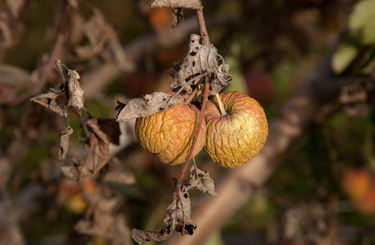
(344, 55)
(368, 33)
(362, 21)
(363, 12)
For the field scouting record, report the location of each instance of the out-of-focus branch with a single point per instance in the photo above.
(316, 99)
(42, 80)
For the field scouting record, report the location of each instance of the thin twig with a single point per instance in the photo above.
(205, 97)
(84, 126)
(187, 83)
(202, 28)
(87, 157)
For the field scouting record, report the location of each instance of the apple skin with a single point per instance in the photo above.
(169, 134)
(233, 139)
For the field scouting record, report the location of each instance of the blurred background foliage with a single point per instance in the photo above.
(326, 184)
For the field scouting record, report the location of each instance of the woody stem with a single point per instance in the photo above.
(205, 97)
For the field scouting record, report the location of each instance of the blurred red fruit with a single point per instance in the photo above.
(139, 83)
(260, 85)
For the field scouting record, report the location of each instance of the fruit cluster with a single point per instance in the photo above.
(230, 138)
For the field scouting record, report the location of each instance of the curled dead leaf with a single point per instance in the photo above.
(177, 218)
(187, 4)
(76, 92)
(76, 172)
(111, 128)
(99, 147)
(102, 219)
(200, 60)
(201, 180)
(48, 100)
(145, 106)
(177, 7)
(64, 142)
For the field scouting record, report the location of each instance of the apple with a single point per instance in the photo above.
(169, 134)
(238, 135)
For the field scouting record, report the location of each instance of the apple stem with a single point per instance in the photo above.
(191, 96)
(205, 98)
(221, 105)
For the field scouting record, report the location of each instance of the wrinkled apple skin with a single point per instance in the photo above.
(169, 134)
(233, 139)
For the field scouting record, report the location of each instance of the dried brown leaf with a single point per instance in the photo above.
(15, 7)
(201, 180)
(64, 142)
(102, 220)
(117, 173)
(100, 147)
(73, 4)
(141, 236)
(76, 172)
(13, 75)
(123, 177)
(117, 51)
(105, 205)
(97, 31)
(6, 40)
(187, 4)
(111, 128)
(76, 92)
(177, 218)
(12, 79)
(48, 100)
(184, 224)
(177, 7)
(177, 17)
(145, 106)
(200, 60)
(221, 79)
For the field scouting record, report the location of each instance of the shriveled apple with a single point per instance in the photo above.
(238, 132)
(169, 134)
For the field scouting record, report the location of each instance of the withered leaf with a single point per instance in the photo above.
(64, 142)
(200, 59)
(201, 180)
(145, 106)
(177, 218)
(12, 79)
(184, 224)
(48, 100)
(100, 147)
(15, 7)
(177, 17)
(76, 92)
(141, 236)
(97, 31)
(122, 177)
(102, 220)
(221, 79)
(105, 205)
(177, 7)
(76, 172)
(187, 4)
(6, 40)
(117, 173)
(111, 128)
